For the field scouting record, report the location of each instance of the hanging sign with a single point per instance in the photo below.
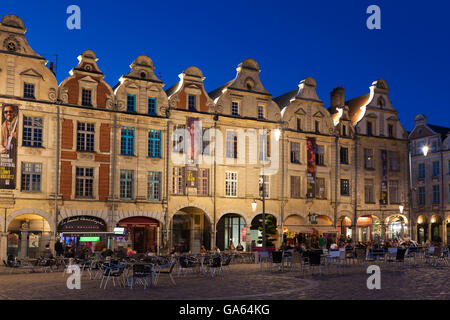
(311, 167)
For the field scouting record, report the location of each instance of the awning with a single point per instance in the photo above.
(138, 222)
(87, 234)
(325, 229)
(298, 229)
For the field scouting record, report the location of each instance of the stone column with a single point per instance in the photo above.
(429, 231)
(444, 232)
(23, 245)
(3, 246)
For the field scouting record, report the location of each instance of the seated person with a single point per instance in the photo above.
(239, 247)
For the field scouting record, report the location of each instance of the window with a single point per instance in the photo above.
(316, 127)
(390, 130)
(393, 161)
(178, 138)
(231, 184)
(152, 106)
(320, 188)
(421, 171)
(206, 142)
(126, 184)
(369, 128)
(344, 155)
(261, 113)
(421, 196)
(235, 108)
(178, 184)
(28, 90)
(344, 130)
(231, 145)
(86, 97)
(434, 146)
(84, 184)
(436, 169)
(368, 158)
(420, 146)
(393, 192)
(295, 152)
(85, 136)
(154, 186)
(264, 147)
(191, 103)
(127, 141)
(264, 184)
(154, 143)
(31, 177)
(436, 194)
(131, 103)
(320, 155)
(299, 124)
(368, 191)
(345, 187)
(32, 131)
(202, 186)
(295, 187)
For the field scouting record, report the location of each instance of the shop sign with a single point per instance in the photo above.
(244, 234)
(8, 155)
(82, 224)
(384, 190)
(13, 240)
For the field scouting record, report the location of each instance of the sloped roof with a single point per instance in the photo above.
(284, 100)
(218, 91)
(354, 106)
(443, 131)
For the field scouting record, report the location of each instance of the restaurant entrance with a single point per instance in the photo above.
(141, 233)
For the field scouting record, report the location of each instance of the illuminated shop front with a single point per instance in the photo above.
(369, 229)
(396, 227)
(231, 229)
(141, 233)
(296, 230)
(436, 229)
(28, 236)
(422, 229)
(344, 227)
(83, 231)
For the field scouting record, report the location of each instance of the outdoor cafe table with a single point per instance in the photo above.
(376, 254)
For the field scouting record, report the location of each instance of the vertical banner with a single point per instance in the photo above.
(311, 168)
(10, 127)
(194, 130)
(384, 165)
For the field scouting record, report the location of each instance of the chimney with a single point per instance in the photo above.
(337, 97)
(51, 67)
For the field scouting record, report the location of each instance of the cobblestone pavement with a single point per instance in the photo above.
(245, 282)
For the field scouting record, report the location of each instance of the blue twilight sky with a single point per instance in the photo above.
(291, 40)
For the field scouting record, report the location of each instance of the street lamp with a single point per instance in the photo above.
(401, 207)
(425, 150)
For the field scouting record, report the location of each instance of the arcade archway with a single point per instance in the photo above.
(190, 229)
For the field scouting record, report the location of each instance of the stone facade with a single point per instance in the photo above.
(244, 132)
(430, 177)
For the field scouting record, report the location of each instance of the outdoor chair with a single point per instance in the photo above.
(297, 260)
(437, 256)
(114, 272)
(214, 264)
(141, 271)
(185, 263)
(399, 256)
(264, 258)
(46, 264)
(428, 254)
(410, 255)
(165, 269)
(277, 259)
(314, 260)
(336, 258)
(360, 255)
(226, 261)
(11, 265)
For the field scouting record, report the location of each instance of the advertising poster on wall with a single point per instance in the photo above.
(384, 192)
(33, 241)
(9, 130)
(194, 129)
(311, 168)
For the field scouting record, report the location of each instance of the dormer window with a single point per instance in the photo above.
(86, 97)
(143, 75)
(235, 108)
(28, 90)
(299, 124)
(369, 128)
(344, 130)
(192, 103)
(131, 103)
(261, 113)
(317, 126)
(390, 130)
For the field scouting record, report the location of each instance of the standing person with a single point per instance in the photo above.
(59, 249)
(321, 241)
